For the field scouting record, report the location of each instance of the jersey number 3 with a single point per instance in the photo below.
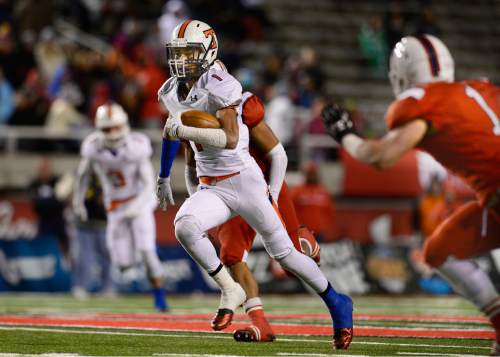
(474, 94)
(117, 179)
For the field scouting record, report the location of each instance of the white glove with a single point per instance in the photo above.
(164, 192)
(172, 128)
(80, 211)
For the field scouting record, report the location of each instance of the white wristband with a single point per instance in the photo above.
(203, 136)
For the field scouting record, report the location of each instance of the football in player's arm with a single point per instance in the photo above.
(231, 181)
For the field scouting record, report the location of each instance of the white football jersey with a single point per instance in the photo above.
(119, 168)
(215, 89)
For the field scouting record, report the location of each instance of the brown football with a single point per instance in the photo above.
(199, 119)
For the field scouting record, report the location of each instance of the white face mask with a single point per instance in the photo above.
(114, 137)
(186, 62)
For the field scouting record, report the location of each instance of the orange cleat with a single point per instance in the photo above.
(222, 319)
(342, 338)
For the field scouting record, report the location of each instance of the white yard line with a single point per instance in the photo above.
(218, 336)
(434, 354)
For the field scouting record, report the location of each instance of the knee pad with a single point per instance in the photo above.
(281, 255)
(153, 265)
(278, 245)
(187, 228)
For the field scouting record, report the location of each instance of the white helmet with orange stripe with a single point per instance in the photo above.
(417, 60)
(192, 50)
(112, 121)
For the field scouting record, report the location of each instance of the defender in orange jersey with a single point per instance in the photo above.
(457, 123)
(236, 236)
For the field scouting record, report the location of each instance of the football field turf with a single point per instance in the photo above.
(58, 325)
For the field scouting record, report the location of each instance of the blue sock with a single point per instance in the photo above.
(340, 307)
(159, 299)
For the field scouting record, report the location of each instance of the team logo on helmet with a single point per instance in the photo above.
(192, 50)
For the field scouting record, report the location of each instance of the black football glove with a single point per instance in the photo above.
(338, 122)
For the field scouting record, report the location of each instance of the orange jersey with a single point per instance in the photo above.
(464, 128)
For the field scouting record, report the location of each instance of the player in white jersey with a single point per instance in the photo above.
(231, 182)
(121, 160)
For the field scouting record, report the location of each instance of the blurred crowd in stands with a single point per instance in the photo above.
(378, 36)
(60, 60)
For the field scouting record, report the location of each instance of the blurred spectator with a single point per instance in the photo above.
(33, 15)
(49, 209)
(49, 54)
(425, 22)
(91, 260)
(255, 20)
(31, 103)
(440, 200)
(149, 77)
(394, 23)
(63, 116)
(316, 126)
(373, 45)
(314, 204)
(6, 99)
(174, 12)
(280, 113)
(432, 206)
(305, 76)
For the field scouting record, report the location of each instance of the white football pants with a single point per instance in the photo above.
(131, 239)
(246, 195)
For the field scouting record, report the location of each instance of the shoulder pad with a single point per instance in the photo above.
(224, 90)
(140, 144)
(91, 144)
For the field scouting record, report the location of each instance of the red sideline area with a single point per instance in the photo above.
(166, 323)
(316, 316)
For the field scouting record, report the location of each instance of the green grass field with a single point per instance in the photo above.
(125, 339)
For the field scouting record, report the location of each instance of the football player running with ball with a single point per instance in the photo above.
(459, 124)
(231, 182)
(121, 160)
(236, 236)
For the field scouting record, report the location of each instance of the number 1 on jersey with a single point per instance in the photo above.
(474, 94)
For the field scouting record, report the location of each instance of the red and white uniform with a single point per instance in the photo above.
(464, 136)
(127, 179)
(231, 182)
(214, 90)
